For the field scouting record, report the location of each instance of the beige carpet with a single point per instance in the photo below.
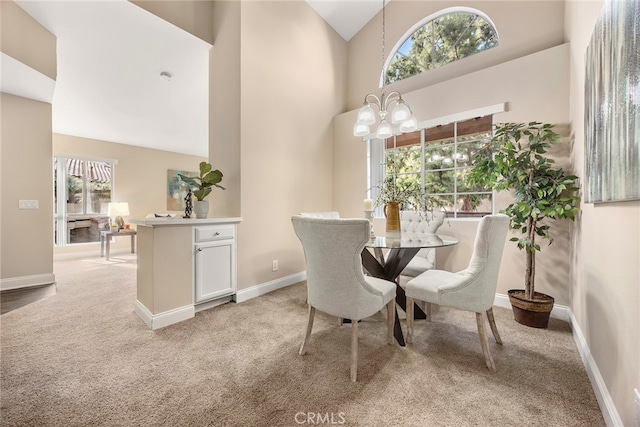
(83, 358)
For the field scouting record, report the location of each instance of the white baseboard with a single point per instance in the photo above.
(213, 303)
(27, 281)
(608, 408)
(160, 320)
(264, 288)
(609, 411)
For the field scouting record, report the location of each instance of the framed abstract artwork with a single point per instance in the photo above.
(177, 189)
(612, 105)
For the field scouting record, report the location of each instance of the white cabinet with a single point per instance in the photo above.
(214, 262)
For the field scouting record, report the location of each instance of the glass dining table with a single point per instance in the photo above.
(400, 250)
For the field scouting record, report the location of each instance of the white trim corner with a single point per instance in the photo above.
(160, 320)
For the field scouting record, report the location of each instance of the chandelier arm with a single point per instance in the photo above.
(376, 102)
(393, 96)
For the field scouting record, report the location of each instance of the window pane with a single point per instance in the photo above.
(99, 194)
(441, 174)
(441, 181)
(82, 192)
(474, 205)
(74, 195)
(440, 41)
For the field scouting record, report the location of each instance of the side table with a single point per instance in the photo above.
(105, 237)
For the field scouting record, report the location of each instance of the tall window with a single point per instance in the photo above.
(445, 38)
(82, 192)
(437, 159)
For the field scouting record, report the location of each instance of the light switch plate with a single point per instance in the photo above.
(27, 204)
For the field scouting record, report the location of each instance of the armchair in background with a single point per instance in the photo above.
(421, 223)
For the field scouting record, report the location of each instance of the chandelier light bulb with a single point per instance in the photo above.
(384, 130)
(410, 125)
(401, 112)
(360, 129)
(366, 116)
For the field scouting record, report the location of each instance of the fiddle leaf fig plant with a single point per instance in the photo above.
(516, 160)
(203, 183)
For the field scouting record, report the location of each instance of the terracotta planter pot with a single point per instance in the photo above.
(534, 313)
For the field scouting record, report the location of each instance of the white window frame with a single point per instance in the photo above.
(61, 215)
(376, 151)
(424, 21)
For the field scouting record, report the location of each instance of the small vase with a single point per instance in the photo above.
(201, 208)
(392, 213)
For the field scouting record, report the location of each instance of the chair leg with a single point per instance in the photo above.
(427, 310)
(492, 323)
(391, 318)
(484, 342)
(354, 350)
(409, 312)
(303, 347)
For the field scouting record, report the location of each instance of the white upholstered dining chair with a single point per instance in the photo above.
(336, 284)
(472, 289)
(421, 223)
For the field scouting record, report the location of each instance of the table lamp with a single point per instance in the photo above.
(118, 210)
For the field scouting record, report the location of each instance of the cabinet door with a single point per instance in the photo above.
(214, 270)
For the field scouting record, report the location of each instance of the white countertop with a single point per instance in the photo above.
(163, 221)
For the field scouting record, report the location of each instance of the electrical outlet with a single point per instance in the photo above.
(27, 204)
(636, 406)
(274, 265)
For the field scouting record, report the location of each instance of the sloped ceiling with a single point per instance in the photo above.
(111, 55)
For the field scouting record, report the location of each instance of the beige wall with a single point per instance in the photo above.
(26, 248)
(292, 84)
(224, 104)
(606, 265)
(140, 177)
(524, 27)
(24, 39)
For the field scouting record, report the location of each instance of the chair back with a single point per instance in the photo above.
(335, 282)
(422, 223)
(484, 265)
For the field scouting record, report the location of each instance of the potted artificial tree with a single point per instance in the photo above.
(516, 160)
(203, 184)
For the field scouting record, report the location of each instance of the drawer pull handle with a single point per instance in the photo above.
(217, 233)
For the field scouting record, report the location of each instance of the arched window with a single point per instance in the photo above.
(440, 39)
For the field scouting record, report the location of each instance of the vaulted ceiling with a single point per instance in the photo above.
(127, 76)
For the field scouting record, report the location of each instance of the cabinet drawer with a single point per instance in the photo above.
(216, 232)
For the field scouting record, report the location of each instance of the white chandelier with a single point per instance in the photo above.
(401, 113)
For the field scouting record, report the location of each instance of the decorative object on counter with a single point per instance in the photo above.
(208, 178)
(188, 205)
(515, 159)
(177, 189)
(116, 211)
